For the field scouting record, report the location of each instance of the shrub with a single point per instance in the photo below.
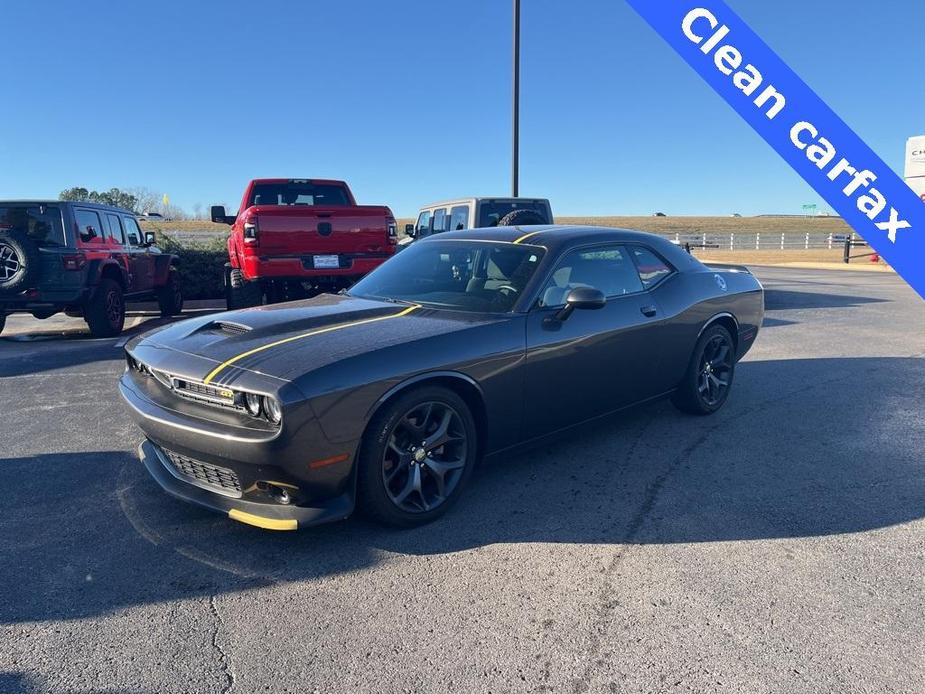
(202, 266)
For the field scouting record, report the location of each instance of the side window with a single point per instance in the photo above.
(459, 218)
(439, 220)
(115, 229)
(423, 225)
(608, 268)
(88, 223)
(652, 269)
(132, 231)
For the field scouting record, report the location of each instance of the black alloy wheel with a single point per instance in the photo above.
(417, 456)
(425, 457)
(105, 312)
(708, 380)
(715, 370)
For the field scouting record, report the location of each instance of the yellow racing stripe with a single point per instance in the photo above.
(527, 236)
(224, 365)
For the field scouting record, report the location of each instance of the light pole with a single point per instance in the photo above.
(515, 153)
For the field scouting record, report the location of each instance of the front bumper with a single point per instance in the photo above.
(213, 446)
(265, 515)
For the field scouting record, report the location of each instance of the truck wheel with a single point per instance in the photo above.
(240, 293)
(521, 218)
(105, 312)
(170, 296)
(20, 262)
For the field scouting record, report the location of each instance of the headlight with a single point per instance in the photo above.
(272, 409)
(252, 404)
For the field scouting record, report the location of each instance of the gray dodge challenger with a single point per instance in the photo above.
(465, 346)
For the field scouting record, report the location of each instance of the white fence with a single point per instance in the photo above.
(766, 241)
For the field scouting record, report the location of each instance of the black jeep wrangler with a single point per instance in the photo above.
(83, 259)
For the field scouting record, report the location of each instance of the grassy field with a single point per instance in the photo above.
(664, 225)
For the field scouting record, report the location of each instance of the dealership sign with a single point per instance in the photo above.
(781, 108)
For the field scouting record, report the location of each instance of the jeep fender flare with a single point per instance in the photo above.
(99, 267)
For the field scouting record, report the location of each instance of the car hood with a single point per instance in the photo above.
(288, 340)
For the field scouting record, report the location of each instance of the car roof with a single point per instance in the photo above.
(548, 235)
(556, 238)
(94, 205)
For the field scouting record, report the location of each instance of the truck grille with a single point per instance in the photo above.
(212, 477)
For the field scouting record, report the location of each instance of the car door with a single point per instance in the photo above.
(141, 258)
(594, 361)
(115, 243)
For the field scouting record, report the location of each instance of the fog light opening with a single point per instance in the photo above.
(280, 495)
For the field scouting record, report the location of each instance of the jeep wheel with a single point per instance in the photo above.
(239, 293)
(19, 261)
(170, 296)
(105, 313)
(521, 218)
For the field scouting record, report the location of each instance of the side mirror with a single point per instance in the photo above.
(150, 238)
(409, 231)
(583, 299)
(218, 215)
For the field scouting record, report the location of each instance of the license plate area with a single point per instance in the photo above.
(325, 262)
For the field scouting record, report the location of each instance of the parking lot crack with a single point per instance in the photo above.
(224, 657)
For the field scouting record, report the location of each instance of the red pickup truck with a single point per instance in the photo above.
(294, 238)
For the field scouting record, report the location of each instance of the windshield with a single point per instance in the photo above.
(299, 194)
(41, 223)
(492, 211)
(460, 275)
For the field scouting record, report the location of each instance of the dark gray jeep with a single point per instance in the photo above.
(81, 258)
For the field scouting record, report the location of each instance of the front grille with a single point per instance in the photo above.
(213, 477)
(201, 391)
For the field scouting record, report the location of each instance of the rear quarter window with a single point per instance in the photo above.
(41, 223)
(652, 269)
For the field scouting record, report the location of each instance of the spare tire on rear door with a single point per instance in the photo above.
(20, 262)
(521, 218)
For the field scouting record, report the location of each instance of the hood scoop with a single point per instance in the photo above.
(226, 327)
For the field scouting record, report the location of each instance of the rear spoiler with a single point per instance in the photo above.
(723, 267)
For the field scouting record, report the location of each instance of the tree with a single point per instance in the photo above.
(75, 195)
(113, 197)
(148, 200)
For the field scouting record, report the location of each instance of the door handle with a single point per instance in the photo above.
(649, 311)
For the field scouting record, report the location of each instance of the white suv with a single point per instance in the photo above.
(470, 213)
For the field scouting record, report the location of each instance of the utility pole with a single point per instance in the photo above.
(515, 154)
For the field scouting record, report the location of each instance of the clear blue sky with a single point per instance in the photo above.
(409, 100)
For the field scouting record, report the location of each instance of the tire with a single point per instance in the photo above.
(239, 293)
(390, 463)
(521, 218)
(708, 380)
(105, 312)
(170, 295)
(20, 262)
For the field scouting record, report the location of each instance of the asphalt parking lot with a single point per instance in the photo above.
(776, 547)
